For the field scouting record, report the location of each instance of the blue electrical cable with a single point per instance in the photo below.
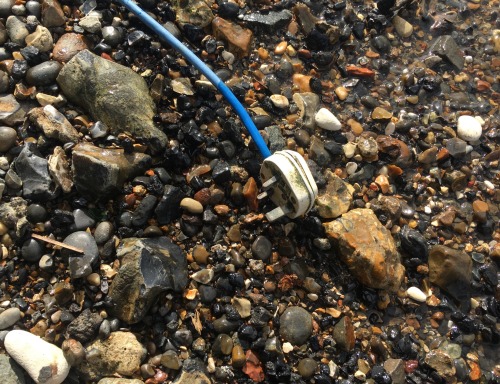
(202, 67)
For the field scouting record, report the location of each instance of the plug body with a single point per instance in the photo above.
(288, 182)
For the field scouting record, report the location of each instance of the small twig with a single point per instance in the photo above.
(58, 243)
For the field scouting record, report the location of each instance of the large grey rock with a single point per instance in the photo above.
(33, 170)
(99, 172)
(113, 94)
(10, 372)
(149, 267)
(296, 325)
(81, 265)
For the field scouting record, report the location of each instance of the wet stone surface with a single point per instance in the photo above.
(133, 248)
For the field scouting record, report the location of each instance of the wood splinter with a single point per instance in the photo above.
(58, 243)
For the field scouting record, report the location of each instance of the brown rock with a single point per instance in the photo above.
(451, 270)
(367, 248)
(250, 194)
(396, 369)
(381, 114)
(68, 46)
(428, 156)
(239, 39)
(396, 149)
(336, 199)
(53, 124)
(481, 209)
(343, 333)
(442, 363)
(52, 14)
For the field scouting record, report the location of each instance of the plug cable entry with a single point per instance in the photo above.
(204, 69)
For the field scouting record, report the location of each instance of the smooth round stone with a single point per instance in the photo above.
(296, 325)
(279, 101)
(307, 367)
(170, 360)
(44, 362)
(416, 294)
(16, 29)
(238, 356)
(36, 213)
(18, 10)
(403, 28)
(8, 138)
(41, 39)
(327, 120)
(82, 220)
(112, 35)
(262, 248)
(380, 113)
(94, 279)
(68, 46)
(44, 73)
(469, 128)
(5, 7)
(191, 205)
(33, 7)
(223, 345)
(31, 250)
(9, 317)
(381, 43)
(81, 265)
(103, 232)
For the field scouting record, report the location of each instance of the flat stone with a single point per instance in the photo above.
(239, 39)
(149, 267)
(446, 48)
(99, 172)
(33, 170)
(90, 23)
(336, 199)
(9, 317)
(381, 114)
(44, 362)
(53, 124)
(367, 248)
(87, 79)
(68, 46)
(268, 21)
(396, 369)
(295, 325)
(8, 107)
(451, 270)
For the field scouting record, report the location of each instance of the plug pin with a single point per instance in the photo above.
(269, 183)
(277, 212)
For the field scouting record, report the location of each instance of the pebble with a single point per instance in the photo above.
(469, 128)
(103, 232)
(416, 294)
(381, 114)
(403, 28)
(204, 276)
(44, 73)
(41, 39)
(44, 362)
(327, 120)
(307, 367)
(191, 205)
(279, 101)
(8, 138)
(9, 317)
(68, 46)
(16, 30)
(262, 248)
(31, 250)
(295, 325)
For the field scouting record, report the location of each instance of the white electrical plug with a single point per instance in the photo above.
(288, 182)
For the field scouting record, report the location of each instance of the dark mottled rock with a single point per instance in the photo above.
(84, 328)
(446, 48)
(270, 21)
(451, 270)
(193, 372)
(144, 211)
(168, 208)
(99, 172)
(295, 325)
(33, 170)
(87, 79)
(149, 267)
(13, 215)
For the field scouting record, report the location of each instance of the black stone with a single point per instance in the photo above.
(85, 326)
(168, 209)
(144, 211)
(221, 173)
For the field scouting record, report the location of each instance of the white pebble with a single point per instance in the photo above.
(287, 347)
(327, 120)
(280, 101)
(416, 294)
(488, 184)
(351, 167)
(44, 362)
(469, 128)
